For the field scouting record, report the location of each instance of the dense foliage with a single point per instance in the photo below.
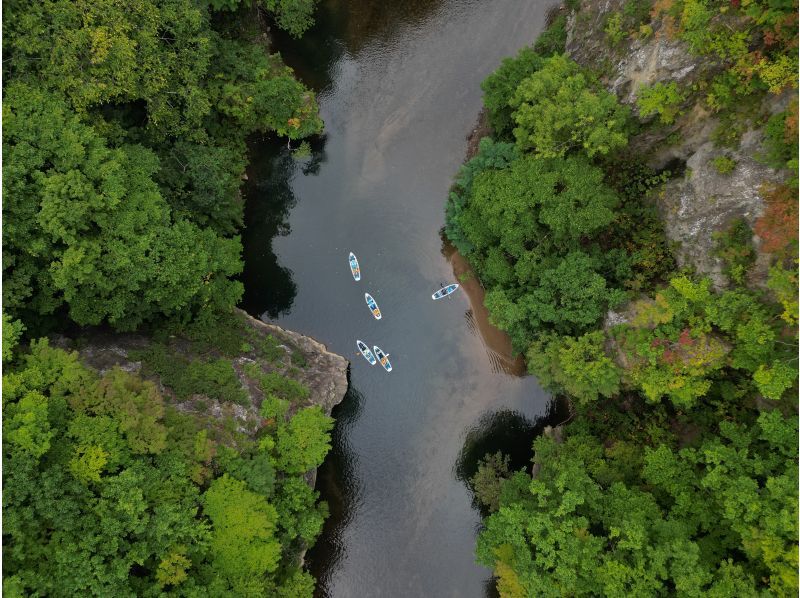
(559, 108)
(678, 473)
(110, 490)
(619, 519)
(124, 151)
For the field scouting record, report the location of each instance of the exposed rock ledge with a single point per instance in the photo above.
(326, 372)
(323, 372)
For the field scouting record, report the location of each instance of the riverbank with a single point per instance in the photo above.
(613, 229)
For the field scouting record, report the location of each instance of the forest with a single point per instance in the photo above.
(125, 128)
(678, 472)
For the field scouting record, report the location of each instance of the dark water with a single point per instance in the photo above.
(398, 84)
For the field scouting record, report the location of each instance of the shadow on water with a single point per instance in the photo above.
(512, 434)
(345, 27)
(338, 485)
(490, 588)
(509, 432)
(269, 288)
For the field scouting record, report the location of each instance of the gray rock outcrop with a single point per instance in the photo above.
(703, 201)
(323, 373)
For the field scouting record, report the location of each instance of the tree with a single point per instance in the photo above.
(578, 366)
(534, 200)
(259, 93)
(90, 228)
(159, 92)
(83, 504)
(295, 16)
(102, 494)
(571, 296)
(783, 282)
(243, 537)
(558, 108)
(12, 331)
(777, 226)
(201, 183)
(523, 225)
(690, 521)
(104, 53)
(303, 443)
(487, 481)
(499, 87)
(490, 155)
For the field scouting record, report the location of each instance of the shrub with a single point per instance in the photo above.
(279, 386)
(724, 164)
(735, 248)
(780, 141)
(777, 227)
(214, 378)
(613, 29)
(663, 99)
(783, 282)
(553, 40)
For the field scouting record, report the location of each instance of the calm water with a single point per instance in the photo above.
(398, 84)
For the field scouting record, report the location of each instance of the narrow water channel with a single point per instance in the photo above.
(398, 84)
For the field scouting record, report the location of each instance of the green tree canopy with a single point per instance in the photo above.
(712, 521)
(558, 108)
(536, 201)
(109, 490)
(499, 88)
(88, 227)
(578, 366)
(526, 225)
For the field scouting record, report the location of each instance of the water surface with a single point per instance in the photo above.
(398, 85)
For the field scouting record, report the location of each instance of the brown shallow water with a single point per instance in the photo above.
(497, 343)
(398, 85)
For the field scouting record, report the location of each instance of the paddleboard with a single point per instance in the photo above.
(372, 306)
(354, 268)
(366, 352)
(445, 291)
(383, 358)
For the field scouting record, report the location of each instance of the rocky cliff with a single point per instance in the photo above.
(699, 200)
(297, 357)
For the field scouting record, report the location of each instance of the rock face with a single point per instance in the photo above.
(633, 62)
(323, 373)
(703, 201)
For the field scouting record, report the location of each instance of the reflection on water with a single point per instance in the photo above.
(337, 482)
(269, 287)
(347, 27)
(509, 432)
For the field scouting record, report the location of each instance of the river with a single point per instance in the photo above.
(398, 85)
